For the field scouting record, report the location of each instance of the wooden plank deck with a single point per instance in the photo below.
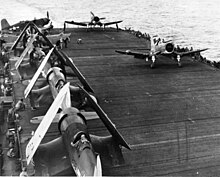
(170, 116)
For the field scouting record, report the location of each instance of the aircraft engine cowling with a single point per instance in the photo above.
(96, 19)
(73, 128)
(169, 47)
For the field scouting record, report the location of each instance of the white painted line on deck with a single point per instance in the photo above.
(98, 56)
(175, 140)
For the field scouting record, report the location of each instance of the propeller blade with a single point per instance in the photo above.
(103, 18)
(78, 73)
(36, 75)
(19, 37)
(107, 122)
(48, 15)
(45, 123)
(64, 27)
(92, 13)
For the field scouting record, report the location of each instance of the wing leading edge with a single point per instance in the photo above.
(139, 55)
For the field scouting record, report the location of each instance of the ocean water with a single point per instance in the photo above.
(189, 23)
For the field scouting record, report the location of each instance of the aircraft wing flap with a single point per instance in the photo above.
(139, 55)
(77, 23)
(111, 23)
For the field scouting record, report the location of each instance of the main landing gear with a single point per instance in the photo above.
(178, 61)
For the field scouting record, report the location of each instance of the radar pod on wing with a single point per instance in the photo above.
(161, 47)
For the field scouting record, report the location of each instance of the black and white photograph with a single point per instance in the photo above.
(110, 88)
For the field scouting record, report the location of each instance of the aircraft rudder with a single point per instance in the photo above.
(4, 24)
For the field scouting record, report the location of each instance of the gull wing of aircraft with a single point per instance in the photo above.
(85, 163)
(65, 60)
(21, 25)
(56, 37)
(68, 61)
(28, 48)
(75, 148)
(160, 48)
(95, 20)
(75, 142)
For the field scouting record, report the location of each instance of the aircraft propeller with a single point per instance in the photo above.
(96, 18)
(64, 27)
(48, 15)
(92, 13)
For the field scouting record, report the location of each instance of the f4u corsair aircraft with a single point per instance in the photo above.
(95, 20)
(41, 22)
(165, 48)
(75, 150)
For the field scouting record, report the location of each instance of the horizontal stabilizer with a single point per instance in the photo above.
(87, 115)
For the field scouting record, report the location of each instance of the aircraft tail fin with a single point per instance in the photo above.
(4, 24)
(152, 43)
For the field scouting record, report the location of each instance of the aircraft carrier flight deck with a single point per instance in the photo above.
(168, 115)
